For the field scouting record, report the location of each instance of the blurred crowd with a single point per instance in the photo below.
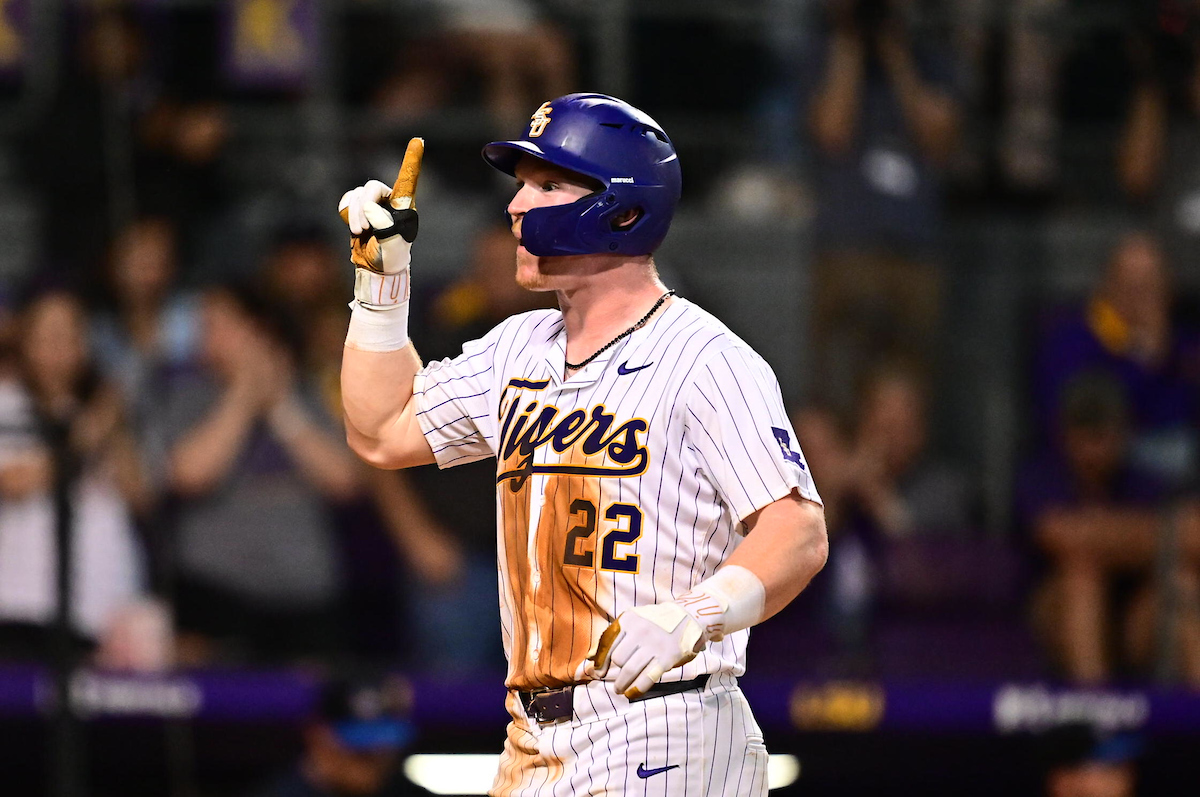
(209, 475)
(169, 352)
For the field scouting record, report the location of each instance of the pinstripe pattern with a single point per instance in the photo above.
(686, 444)
(708, 739)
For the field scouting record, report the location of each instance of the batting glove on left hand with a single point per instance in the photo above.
(642, 644)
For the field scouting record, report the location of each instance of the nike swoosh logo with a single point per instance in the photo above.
(642, 772)
(624, 368)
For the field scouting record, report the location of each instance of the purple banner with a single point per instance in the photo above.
(270, 44)
(780, 705)
(966, 707)
(221, 696)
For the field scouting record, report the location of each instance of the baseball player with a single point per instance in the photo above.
(652, 500)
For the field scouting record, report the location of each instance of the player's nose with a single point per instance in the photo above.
(516, 210)
(521, 202)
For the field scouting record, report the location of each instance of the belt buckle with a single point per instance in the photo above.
(559, 709)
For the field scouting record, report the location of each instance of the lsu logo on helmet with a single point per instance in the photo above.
(539, 120)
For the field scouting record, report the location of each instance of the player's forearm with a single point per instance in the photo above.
(403, 509)
(834, 115)
(206, 454)
(785, 548)
(376, 389)
(322, 458)
(431, 552)
(1109, 536)
(1143, 142)
(931, 115)
(132, 478)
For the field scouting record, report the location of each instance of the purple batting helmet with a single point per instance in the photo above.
(614, 144)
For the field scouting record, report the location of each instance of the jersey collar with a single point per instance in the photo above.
(556, 350)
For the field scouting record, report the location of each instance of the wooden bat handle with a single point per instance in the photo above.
(405, 188)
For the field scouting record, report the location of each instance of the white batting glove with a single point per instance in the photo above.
(646, 641)
(643, 643)
(381, 250)
(369, 212)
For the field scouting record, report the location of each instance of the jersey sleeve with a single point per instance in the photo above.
(737, 425)
(456, 403)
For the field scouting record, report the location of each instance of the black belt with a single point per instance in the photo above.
(547, 706)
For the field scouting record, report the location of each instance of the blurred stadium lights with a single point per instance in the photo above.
(443, 773)
(473, 774)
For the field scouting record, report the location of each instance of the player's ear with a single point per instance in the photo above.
(626, 219)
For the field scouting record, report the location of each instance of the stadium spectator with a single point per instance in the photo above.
(503, 49)
(146, 326)
(9, 332)
(884, 119)
(1101, 99)
(252, 456)
(1031, 123)
(387, 524)
(59, 398)
(108, 74)
(1164, 94)
(300, 273)
(1079, 761)
(1126, 328)
(1095, 517)
(892, 483)
(353, 744)
(1158, 154)
(181, 149)
(882, 484)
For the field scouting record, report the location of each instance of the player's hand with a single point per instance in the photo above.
(643, 643)
(383, 235)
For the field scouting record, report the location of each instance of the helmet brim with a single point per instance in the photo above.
(504, 156)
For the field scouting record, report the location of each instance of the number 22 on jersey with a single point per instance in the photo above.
(624, 528)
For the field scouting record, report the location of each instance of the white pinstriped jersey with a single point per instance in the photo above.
(621, 486)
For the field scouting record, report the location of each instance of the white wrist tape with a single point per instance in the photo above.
(377, 329)
(730, 600)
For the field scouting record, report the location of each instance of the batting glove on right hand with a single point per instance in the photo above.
(383, 235)
(643, 643)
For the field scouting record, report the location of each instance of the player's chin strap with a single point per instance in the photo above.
(730, 600)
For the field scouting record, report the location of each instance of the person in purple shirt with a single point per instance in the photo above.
(1095, 519)
(1125, 328)
(252, 460)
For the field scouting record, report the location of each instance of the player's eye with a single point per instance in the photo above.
(550, 186)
